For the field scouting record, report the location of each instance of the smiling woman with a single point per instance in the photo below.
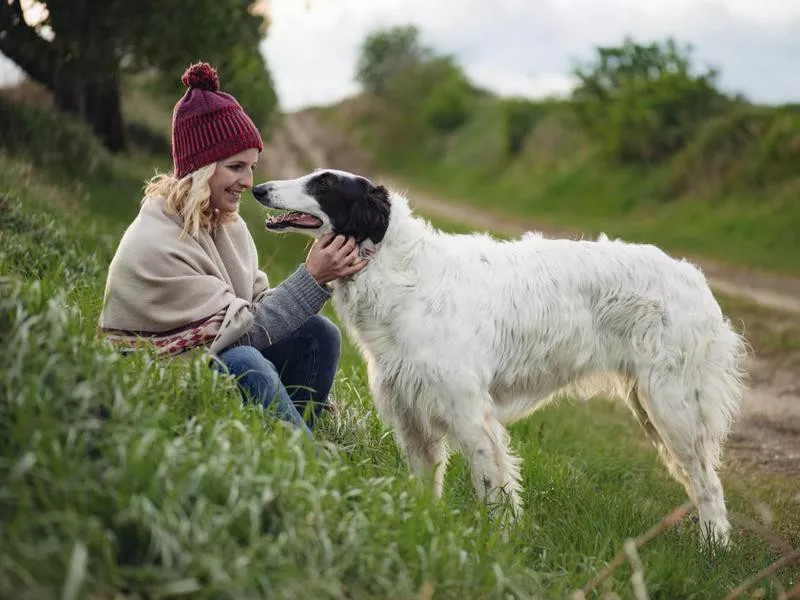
(186, 274)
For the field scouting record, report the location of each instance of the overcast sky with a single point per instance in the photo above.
(527, 47)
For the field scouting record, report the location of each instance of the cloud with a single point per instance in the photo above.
(520, 47)
(10, 73)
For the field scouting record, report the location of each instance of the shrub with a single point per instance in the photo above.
(387, 53)
(519, 118)
(644, 102)
(749, 147)
(49, 139)
(424, 89)
(449, 104)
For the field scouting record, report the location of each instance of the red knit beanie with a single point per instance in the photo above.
(208, 125)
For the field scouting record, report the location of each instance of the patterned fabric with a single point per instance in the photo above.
(170, 343)
(208, 124)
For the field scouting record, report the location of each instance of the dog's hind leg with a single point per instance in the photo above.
(634, 402)
(495, 470)
(688, 448)
(692, 413)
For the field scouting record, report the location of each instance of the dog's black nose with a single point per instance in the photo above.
(262, 192)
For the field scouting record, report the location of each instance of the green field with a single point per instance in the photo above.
(149, 479)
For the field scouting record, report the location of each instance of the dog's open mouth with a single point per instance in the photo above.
(293, 218)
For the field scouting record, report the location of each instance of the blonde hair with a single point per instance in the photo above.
(189, 198)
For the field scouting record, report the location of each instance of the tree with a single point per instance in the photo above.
(425, 90)
(80, 49)
(446, 96)
(388, 53)
(520, 116)
(644, 101)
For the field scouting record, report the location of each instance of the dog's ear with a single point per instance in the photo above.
(369, 216)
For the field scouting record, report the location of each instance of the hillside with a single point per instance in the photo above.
(733, 193)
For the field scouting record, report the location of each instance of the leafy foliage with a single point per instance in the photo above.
(449, 103)
(49, 140)
(748, 147)
(80, 50)
(643, 102)
(388, 53)
(520, 116)
(429, 90)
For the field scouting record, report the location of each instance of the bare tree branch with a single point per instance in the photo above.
(668, 522)
(782, 562)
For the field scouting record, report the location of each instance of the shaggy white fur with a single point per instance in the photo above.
(463, 334)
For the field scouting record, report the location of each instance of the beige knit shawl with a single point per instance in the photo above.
(161, 284)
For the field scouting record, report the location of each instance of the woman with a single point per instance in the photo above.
(186, 272)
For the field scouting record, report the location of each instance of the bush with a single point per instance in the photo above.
(519, 118)
(643, 102)
(387, 53)
(49, 139)
(449, 104)
(778, 154)
(748, 147)
(423, 89)
(143, 137)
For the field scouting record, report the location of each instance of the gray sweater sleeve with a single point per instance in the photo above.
(284, 308)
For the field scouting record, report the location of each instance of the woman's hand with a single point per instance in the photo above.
(333, 256)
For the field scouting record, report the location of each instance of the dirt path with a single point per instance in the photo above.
(766, 437)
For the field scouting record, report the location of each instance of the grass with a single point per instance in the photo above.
(150, 479)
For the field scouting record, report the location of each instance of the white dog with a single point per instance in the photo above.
(464, 333)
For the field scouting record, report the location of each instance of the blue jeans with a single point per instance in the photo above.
(294, 376)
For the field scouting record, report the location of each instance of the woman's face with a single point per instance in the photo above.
(232, 176)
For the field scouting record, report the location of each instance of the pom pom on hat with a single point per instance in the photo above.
(201, 76)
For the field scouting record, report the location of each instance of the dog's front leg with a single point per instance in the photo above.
(495, 469)
(427, 452)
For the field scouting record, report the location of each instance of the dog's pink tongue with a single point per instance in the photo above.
(297, 218)
(303, 219)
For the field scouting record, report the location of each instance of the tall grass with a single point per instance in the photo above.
(149, 477)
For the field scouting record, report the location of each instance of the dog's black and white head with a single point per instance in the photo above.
(327, 200)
